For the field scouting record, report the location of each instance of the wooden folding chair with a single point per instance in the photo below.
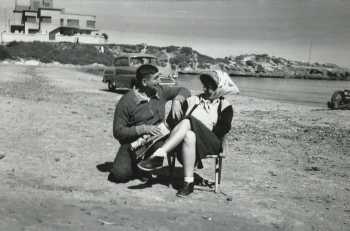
(217, 165)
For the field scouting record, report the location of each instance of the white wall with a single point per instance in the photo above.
(86, 39)
(9, 37)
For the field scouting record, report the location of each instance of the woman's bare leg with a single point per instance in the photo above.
(189, 154)
(177, 135)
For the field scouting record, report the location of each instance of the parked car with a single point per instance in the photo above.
(123, 71)
(340, 100)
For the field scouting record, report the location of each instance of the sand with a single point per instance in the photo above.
(287, 166)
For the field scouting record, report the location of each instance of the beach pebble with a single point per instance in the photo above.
(207, 218)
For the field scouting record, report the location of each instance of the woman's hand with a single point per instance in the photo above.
(176, 109)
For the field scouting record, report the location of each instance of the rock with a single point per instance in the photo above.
(313, 168)
(207, 218)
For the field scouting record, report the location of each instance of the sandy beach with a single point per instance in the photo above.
(287, 165)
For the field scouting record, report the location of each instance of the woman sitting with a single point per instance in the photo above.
(207, 119)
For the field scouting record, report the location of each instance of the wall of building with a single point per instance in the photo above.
(82, 20)
(16, 18)
(86, 39)
(55, 20)
(32, 22)
(36, 4)
(9, 37)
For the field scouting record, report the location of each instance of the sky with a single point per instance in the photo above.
(219, 28)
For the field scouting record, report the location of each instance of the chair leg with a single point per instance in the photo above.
(220, 171)
(171, 162)
(217, 169)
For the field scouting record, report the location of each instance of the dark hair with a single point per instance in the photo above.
(145, 70)
(208, 81)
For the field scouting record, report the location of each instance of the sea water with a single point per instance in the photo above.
(299, 91)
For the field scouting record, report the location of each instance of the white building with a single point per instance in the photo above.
(38, 20)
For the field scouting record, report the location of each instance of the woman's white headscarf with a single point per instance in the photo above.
(225, 85)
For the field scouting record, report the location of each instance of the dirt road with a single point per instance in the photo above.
(287, 167)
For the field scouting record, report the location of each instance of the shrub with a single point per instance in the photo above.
(186, 50)
(4, 54)
(12, 44)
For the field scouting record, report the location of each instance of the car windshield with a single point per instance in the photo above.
(137, 61)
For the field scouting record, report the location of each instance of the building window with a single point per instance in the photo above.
(31, 19)
(46, 19)
(62, 21)
(90, 23)
(35, 5)
(73, 22)
(33, 31)
(47, 4)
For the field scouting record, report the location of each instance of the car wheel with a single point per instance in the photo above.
(111, 85)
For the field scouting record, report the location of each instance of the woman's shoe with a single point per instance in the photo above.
(186, 190)
(151, 164)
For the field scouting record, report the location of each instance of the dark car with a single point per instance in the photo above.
(340, 100)
(123, 71)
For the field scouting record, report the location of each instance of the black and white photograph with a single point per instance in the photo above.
(162, 115)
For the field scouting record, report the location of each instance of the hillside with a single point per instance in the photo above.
(185, 59)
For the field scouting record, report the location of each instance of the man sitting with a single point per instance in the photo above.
(138, 113)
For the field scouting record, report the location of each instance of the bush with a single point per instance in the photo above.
(66, 53)
(4, 54)
(12, 44)
(186, 50)
(171, 49)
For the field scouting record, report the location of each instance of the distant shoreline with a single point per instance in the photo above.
(267, 76)
(184, 59)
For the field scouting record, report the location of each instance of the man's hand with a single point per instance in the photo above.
(153, 130)
(148, 129)
(176, 109)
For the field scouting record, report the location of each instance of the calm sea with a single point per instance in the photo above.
(299, 91)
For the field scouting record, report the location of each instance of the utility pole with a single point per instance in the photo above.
(310, 51)
(3, 14)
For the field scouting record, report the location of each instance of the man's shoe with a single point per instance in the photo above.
(186, 190)
(144, 177)
(151, 164)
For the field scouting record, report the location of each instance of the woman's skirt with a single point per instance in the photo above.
(207, 143)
